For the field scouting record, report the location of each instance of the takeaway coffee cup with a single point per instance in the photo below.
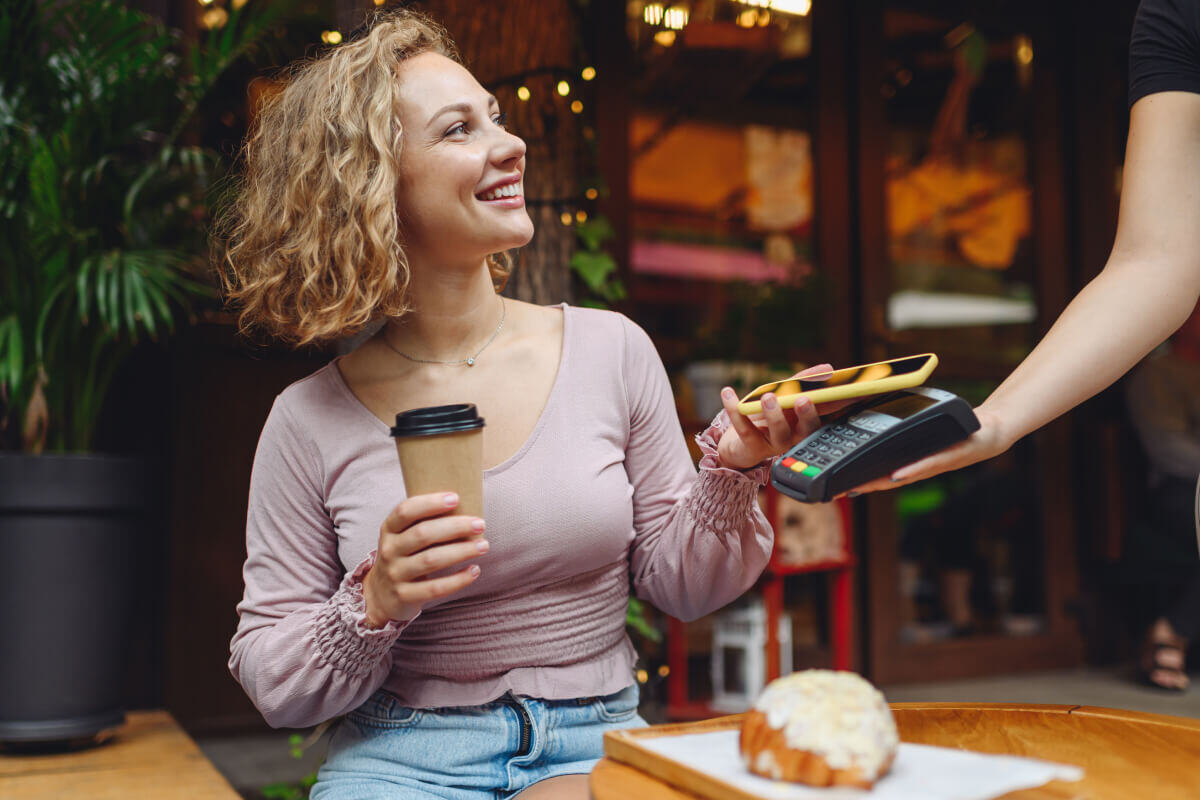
(441, 450)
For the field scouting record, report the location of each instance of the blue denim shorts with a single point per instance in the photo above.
(385, 750)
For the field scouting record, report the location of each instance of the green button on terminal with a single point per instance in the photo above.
(812, 471)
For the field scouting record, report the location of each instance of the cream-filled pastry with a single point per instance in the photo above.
(822, 728)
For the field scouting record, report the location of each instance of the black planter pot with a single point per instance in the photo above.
(68, 524)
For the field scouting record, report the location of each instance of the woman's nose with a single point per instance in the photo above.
(509, 147)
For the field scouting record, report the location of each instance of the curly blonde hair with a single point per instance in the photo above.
(312, 245)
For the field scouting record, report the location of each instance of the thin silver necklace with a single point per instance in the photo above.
(470, 360)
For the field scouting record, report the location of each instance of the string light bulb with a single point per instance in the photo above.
(564, 88)
(588, 73)
(1024, 50)
(581, 216)
(215, 17)
(523, 93)
(565, 217)
(591, 194)
(799, 8)
(331, 37)
(577, 107)
(675, 18)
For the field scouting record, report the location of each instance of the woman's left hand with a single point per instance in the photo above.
(748, 442)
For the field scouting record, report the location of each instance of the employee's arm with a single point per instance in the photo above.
(1144, 293)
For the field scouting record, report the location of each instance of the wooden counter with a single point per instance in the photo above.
(148, 757)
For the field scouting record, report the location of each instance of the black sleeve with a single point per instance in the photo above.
(1164, 48)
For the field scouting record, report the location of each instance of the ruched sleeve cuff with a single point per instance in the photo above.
(759, 474)
(722, 500)
(344, 641)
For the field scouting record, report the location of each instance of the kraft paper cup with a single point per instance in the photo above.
(441, 450)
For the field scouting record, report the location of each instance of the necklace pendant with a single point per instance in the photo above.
(470, 362)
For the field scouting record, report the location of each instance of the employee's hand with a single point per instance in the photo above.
(747, 442)
(990, 440)
(418, 538)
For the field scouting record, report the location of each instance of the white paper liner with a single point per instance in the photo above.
(920, 772)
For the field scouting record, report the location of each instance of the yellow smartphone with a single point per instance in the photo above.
(841, 384)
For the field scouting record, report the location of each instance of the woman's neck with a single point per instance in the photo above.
(452, 315)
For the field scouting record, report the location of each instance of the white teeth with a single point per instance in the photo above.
(508, 190)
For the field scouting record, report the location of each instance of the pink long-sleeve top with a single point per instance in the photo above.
(602, 497)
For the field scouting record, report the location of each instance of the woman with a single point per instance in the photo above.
(380, 183)
(1146, 291)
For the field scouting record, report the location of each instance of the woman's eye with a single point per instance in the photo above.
(499, 119)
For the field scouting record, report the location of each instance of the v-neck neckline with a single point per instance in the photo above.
(547, 407)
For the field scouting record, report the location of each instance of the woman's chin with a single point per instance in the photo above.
(499, 241)
(519, 239)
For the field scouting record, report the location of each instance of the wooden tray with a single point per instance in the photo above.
(625, 746)
(1124, 754)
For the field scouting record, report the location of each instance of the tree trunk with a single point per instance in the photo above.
(511, 43)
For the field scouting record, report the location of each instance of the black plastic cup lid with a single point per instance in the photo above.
(432, 420)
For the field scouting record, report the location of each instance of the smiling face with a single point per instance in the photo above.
(460, 195)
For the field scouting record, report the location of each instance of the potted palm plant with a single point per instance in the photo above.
(101, 233)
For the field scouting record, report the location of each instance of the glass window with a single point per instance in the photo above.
(959, 200)
(722, 263)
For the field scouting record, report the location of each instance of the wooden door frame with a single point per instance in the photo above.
(834, 231)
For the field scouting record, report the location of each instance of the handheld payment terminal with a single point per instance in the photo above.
(871, 439)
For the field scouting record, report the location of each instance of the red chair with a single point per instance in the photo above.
(841, 597)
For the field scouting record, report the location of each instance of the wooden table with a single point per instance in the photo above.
(148, 757)
(1125, 754)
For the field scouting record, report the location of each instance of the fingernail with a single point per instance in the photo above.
(727, 392)
(769, 401)
(450, 499)
(482, 545)
(477, 524)
(853, 494)
(474, 570)
(896, 480)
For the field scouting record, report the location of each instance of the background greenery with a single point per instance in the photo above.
(104, 192)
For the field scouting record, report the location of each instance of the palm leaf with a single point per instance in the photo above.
(176, 166)
(44, 180)
(127, 278)
(12, 356)
(83, 290)
(140, 302)
(106, 292)
(135, 292)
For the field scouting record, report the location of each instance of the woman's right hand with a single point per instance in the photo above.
(416, 539)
